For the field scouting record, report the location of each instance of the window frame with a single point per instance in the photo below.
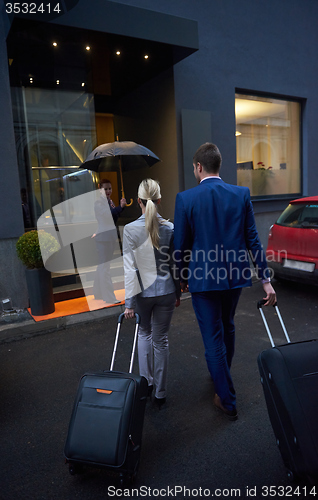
(301, 101)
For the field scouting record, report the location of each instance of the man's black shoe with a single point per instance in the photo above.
(231, 414)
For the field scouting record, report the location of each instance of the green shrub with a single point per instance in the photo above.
(30, 250)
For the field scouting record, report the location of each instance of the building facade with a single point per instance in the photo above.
(170, 76)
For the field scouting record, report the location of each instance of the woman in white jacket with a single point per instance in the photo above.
(151, 285)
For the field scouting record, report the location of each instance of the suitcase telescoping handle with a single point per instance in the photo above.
(259, 306)
(119, 322)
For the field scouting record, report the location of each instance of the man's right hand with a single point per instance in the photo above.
(270, 294)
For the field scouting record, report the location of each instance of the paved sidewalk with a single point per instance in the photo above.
(22, 325)
(187, 445)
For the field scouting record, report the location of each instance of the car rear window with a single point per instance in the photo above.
(299, 215)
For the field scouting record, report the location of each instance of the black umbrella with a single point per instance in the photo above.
(126, 154)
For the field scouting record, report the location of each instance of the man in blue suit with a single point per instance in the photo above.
(215, 234)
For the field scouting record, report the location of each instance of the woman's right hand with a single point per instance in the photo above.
(129, 313)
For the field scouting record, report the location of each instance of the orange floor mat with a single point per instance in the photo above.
(80, 305)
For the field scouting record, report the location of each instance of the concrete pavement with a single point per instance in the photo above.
(187, 445)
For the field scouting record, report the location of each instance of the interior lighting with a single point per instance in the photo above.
(237, 133)
(146, 56)
(118, 53)
(54, 44)
(31, 79)
(57, 82)
(88, 47)
(78, 154)
(83, 84)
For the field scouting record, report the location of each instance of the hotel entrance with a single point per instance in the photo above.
(73, 89)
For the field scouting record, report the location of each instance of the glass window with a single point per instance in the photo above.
(268, 145)
(299, 215)
(55, 131)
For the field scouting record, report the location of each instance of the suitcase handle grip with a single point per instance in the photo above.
(122, 315)
(260, 303)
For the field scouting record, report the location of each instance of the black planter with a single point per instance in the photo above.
(40, 290)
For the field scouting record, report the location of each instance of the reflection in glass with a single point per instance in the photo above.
(55, 131)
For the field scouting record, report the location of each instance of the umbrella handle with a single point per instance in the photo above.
(122, 184)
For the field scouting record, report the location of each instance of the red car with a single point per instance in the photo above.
(292, 250)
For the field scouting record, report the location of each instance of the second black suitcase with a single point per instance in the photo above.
(106, 425)
(289, 374)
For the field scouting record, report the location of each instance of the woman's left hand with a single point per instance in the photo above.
(129, 313)
(177, 302)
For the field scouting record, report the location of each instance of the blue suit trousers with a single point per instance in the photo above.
(215, 312)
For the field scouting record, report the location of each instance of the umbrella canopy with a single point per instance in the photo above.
(126, 154)
(132, 156)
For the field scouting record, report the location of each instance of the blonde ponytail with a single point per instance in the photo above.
(149, 193)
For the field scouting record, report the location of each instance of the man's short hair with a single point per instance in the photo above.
(209, 156)
(104, 181)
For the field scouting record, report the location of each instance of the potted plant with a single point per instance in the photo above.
(33, 249)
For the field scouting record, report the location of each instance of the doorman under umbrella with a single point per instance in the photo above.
(129, 156)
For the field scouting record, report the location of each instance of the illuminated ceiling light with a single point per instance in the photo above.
(54, 44)
(87, 47)
(146, 56)
(118, 53)
(57, 82)
(237, 133)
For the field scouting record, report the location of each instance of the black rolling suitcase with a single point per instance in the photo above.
(289, 374)
(105, 429)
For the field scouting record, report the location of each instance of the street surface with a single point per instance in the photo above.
(189, 449)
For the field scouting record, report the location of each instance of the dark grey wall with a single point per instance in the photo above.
(147, 116)
(267, 47)
(102, 15)
(196, 129)
(10, 200)
(12, 277)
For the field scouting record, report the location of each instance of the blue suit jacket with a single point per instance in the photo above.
(215, 233)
